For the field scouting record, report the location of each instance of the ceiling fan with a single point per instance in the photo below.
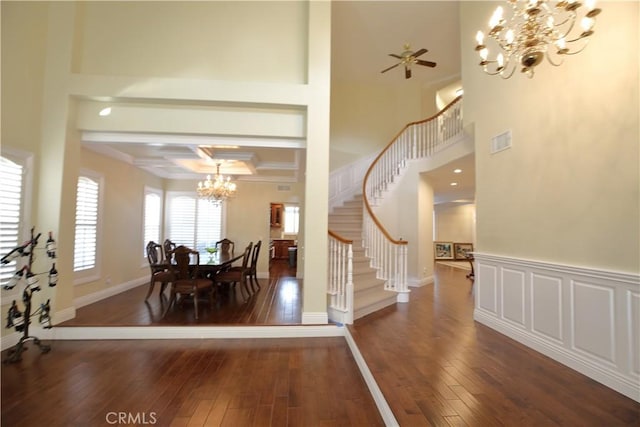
(407, 58)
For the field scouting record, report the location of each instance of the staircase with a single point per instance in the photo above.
(369, 292)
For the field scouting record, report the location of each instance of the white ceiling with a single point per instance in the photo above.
(363, 35)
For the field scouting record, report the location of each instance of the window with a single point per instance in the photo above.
(152, 217)
(85, 254)
(13, 210)
(193, 222)
(291, 219)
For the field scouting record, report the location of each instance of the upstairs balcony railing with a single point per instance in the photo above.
(415, 141)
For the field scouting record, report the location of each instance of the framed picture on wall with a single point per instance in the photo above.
(461, 250)
(443, 250)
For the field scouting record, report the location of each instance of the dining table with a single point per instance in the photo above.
(211, 263)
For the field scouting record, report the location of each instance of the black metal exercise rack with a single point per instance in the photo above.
(25, 276)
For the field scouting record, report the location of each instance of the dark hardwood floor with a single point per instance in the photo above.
(257, 382)
(436, 366)
(433, 363)
(278, 302)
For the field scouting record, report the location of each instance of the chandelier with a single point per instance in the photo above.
(218, 189)
(536, 29)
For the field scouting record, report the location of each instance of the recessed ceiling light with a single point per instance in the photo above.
(105, 111)
(457, 171)
(453, 184)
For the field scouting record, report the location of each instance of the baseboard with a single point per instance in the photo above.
(315, 318)
(109, 292)
(10, 340)
(63, 315)
(381, 403)
(418, 283)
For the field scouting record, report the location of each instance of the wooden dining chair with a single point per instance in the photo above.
(169, 247)
(237, 274)
(159, 268)
(253, 267)
(225, 245)
(186, 281)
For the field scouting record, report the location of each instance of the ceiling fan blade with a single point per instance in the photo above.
(407, 72)
(420, 52)
(390, 68)
(395, 56)
(425, 63)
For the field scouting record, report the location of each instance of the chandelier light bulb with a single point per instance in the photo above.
(496, 17)
(484, 53)
(550, 22)
(480, 37)
(510, 37)
(500, 59)
(586, 23)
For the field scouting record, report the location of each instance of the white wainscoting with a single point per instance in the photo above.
(585, 318)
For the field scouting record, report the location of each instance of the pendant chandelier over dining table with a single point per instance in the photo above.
(218, 189)
(536, 29)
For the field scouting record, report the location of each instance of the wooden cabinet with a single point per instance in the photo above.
(277, 215)
(281, 248)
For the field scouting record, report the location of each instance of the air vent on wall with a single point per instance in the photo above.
(284, 187)
(501, 142)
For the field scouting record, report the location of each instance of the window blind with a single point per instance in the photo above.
(84, 256)
(11, 201)
(152, 215)
(193, 222)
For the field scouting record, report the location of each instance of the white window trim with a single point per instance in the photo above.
(159, 192)
(92, 274)
(25, 159)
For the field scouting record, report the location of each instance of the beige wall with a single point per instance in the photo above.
(455, 223)
(201, 41)
(121, 249)
(567, 191)
(366, 117)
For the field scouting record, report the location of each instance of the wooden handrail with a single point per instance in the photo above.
(340, 238)
(366, 175)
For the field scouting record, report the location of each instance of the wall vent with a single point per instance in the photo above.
(283, 187)
(501, 142)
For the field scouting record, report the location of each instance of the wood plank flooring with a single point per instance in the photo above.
(275, 382)
(434, 364)
(278, 302)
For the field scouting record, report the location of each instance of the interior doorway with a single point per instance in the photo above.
(283, 237)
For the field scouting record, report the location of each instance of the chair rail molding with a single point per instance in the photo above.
(587, 319)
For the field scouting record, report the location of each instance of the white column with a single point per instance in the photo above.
(317, 168)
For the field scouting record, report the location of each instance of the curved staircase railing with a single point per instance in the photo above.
(416, 140)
